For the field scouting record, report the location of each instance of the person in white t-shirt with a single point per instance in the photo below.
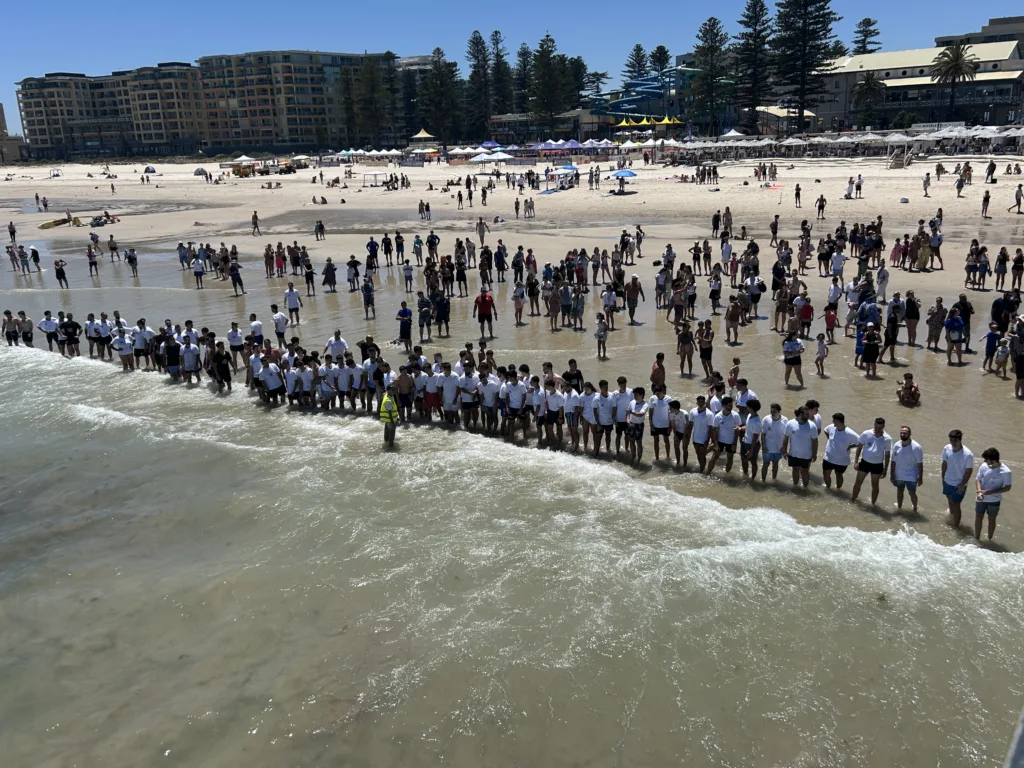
(679, 419)
(604, 410)
(293, 301)
(488, 389)
(800, 445)
(698, 430)
(873, 453)
(840, 440)
(773, 427)
(994, 480)
(635, 417)
(660, 418)
(256, 329)
(280, 325)
(448, 386)
(907, 467)
(572, 408)
(551, 412)
(588, 416)
(957, 467)
(336, 346)
(724, 426)
(273, 382)
(750, 446)
(623, 397)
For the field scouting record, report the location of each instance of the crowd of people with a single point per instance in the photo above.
(558, 411)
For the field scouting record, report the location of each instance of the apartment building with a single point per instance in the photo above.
(150, 110)
(262, 100)
(276, 99)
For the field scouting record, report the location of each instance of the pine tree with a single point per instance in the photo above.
(501, 75)
(752, 60)
(410, 102)
(660, 60)
(348, 108)
(710, 88)
(371, 100)
(392, 86)
(521, 79)
(864, 37)
(596, 81)
(478, 105)
(637, 65)
(803, 46)
(577, 79)
(550, 83)
(439, 98)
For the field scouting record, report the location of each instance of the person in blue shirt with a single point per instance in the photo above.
(991, 340)
(954, 337)
(404, 318)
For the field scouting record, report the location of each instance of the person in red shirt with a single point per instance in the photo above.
(485, 311)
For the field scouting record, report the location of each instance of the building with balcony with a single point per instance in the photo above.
(276, 100)
(150, 110)
(994, 97)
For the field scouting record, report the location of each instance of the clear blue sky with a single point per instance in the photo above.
(76, 37)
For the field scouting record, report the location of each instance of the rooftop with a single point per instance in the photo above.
(920, 57)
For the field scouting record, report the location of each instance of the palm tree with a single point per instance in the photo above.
(954, 64)
(868, 90)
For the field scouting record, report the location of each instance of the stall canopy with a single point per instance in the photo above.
(422, 135)
(244, 159)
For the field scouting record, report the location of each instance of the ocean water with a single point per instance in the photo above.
(187, 579)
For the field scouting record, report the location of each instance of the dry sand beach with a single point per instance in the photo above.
(189, 574)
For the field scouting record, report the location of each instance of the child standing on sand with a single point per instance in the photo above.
(734, 374)
(601, 334)
(819, 358)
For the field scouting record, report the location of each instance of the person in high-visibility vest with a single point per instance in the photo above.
(389, 415)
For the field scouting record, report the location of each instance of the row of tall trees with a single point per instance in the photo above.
(771, 58)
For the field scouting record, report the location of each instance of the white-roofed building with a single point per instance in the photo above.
(995, 97)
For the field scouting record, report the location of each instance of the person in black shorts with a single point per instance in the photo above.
(71, 331)
(222, 365)
(26, 327)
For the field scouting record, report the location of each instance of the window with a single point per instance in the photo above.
(995, 66)
(887, 74)
(904, 73)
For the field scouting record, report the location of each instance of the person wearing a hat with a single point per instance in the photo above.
(633, 290)
(872, 349)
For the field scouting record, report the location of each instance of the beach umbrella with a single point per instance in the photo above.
(870, 137)
(846, 139)
(897, 138)
(625, 173)
(822, 140)
(794, 142)
(569, 167)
